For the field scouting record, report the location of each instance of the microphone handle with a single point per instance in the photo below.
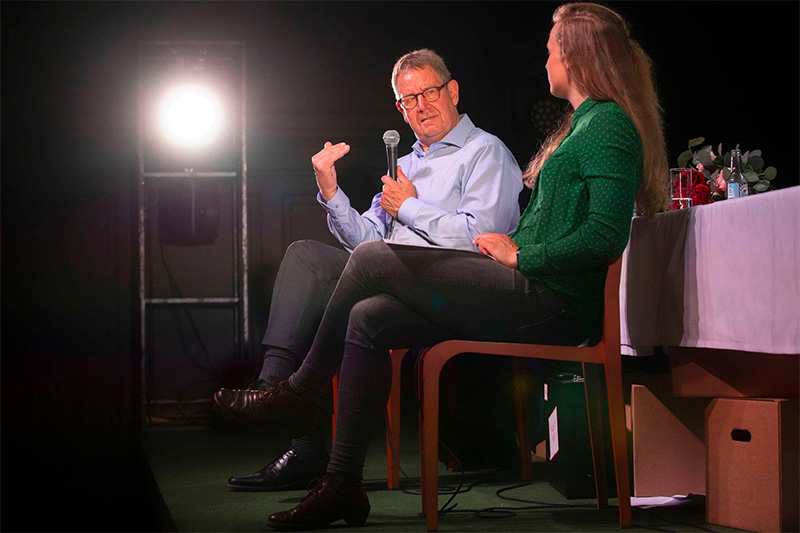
(391, 160)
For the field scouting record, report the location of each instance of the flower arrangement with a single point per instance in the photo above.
(716, 168)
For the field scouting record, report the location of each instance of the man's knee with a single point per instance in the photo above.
(304, 250)
(314, 256)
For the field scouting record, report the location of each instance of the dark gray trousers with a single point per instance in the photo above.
(304, 284)
(306, 279)
(395, 296)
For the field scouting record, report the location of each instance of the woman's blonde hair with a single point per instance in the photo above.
(605, 63)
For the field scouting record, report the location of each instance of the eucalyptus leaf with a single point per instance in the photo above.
(704, 156)
(684, 158)
(756, 163)
(712, 181)
(717, 166)
(697, 141)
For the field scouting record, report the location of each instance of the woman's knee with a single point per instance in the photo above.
(366, 319)
(384, 322)
(367, 252)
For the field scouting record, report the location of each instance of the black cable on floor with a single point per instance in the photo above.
(488, 512)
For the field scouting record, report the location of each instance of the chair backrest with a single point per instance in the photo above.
(611, 335)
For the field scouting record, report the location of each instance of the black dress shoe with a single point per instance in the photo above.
(273, 405)
(289, 471)
(334, 497)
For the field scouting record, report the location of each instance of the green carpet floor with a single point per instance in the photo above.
(191, 466)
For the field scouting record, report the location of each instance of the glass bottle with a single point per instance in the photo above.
(737, 183)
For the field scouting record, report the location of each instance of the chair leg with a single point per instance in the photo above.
(421, 416)
(393, 416)
(429, 439)
(335, 392)
(521, 399)
(594, 401)
(619, 440)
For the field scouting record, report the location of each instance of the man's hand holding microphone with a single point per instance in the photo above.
(396, 186)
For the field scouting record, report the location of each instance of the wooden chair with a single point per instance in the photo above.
(605, 353)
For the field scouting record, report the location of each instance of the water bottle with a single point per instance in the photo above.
(737, 183)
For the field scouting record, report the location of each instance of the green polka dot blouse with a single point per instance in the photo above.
(579, 214)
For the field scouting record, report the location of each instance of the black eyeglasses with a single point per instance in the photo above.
(431, 94)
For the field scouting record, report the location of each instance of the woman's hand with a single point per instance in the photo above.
(499, 247)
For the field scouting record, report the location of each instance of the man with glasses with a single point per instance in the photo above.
(457, 183)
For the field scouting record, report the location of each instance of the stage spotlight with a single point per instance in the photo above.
(191, 116)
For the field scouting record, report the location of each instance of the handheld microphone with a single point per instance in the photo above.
(391, 138)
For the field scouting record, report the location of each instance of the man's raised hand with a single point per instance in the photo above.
(324, 169)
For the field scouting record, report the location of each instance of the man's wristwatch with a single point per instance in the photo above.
(518, 249)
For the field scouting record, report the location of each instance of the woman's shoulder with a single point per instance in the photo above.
(608, 115)
(607, 126)
(609, 110)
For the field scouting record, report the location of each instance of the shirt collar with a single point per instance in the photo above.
(455, 137)
(584, 108)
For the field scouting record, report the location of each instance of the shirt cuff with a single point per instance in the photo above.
(526, 258)
(409, 210)
(339, 204)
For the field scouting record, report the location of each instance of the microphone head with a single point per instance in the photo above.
(391, 138)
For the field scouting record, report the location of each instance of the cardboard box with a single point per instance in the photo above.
(668, 441)
(752, 464)
(710, 373)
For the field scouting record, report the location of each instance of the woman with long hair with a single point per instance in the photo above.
(544, 284)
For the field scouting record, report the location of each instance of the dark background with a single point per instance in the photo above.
(727, 71)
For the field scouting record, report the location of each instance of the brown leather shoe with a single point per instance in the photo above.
(334, 497)
(273, 405)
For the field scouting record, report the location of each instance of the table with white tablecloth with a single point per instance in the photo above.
(718, 288)
(723, 276)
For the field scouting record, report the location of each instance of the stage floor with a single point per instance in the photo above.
(190, 467)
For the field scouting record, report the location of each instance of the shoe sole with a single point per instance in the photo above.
(233, 418)
(224, 415)
(354, 521)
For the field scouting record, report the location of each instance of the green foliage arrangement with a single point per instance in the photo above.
(716, 168)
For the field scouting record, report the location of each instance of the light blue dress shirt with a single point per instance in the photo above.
(467, 184)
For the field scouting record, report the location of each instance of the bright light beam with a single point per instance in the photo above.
(190, 116)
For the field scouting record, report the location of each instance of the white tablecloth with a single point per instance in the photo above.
(725, 276)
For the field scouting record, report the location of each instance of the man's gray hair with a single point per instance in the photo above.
(417, 60)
